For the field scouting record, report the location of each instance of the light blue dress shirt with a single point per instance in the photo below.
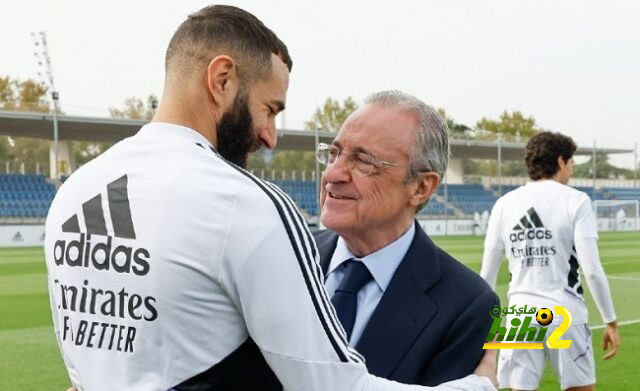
(382, 264)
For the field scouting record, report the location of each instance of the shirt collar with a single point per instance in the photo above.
(382, 264)
(164, 129)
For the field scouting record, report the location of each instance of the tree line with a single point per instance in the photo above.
(32, 96)
(513, 126)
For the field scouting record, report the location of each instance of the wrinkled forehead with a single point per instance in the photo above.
(376, 127)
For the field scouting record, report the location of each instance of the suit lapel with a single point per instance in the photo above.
(404, 310)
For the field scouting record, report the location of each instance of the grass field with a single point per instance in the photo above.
(620, 255)
(29, 357)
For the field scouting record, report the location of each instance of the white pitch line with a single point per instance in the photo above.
(624, 278)
(623, 323)
(615, 262)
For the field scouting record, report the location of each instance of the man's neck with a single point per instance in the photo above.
(554, 178)
(181, 112)
(365, 243)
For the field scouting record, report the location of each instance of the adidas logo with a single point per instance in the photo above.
(103, 255)
(119, 210)
(17, 237)
(529, 227)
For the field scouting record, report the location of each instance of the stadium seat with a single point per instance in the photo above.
(303, 193)
(468, 198)
(25, 196)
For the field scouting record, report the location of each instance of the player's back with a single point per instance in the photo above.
(536, 225)
(132, 247)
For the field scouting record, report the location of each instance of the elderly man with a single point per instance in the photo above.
(415, 313)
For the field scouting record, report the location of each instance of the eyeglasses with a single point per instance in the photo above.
(361, 162)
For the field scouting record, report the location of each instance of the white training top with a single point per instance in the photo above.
(166, 264)
(538, 227)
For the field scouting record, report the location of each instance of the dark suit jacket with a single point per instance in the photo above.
(432, 320)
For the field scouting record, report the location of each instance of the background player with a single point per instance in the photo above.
(547, 231)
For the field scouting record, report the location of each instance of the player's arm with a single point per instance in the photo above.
(493, 249)
(461, 349)
(271, 275)
(587, 252)
(491, 259)
(586, 245)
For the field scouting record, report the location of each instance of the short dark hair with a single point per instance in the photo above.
(224, 29)
(542, 152)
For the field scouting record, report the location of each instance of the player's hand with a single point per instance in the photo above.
(487, 366)
(610, 339)
(72, 389)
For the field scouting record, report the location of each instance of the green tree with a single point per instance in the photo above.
(485, 167)
(28, 95)
(604, 169)
(512, 126)
(135, 108)
(456, 130)
(84, 151)
(256, 162)
(294, 161)
(331, 115)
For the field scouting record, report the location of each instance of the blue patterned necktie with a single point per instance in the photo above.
(345, 299)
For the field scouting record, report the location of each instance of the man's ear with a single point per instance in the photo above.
(561, 163)
(426, 185)
(222, 82)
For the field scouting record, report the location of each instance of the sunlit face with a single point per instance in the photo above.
(250, 123)
(356, 205)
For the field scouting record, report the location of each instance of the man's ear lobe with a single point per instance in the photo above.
(426, 186)
(222, 80)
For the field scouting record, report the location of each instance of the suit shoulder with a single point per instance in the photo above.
(462, 277)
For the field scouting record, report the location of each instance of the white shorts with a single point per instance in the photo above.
(574, 367)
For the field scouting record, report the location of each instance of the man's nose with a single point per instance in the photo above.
(338, 171)
(269, 135)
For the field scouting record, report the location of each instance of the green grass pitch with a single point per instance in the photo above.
(30, 360)
(620, 256)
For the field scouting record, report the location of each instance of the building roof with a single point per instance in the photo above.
(40, 125)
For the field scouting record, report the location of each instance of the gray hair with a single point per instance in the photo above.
(431, 149)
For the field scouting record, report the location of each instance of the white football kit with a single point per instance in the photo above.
(547, 231)
(170, 268)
